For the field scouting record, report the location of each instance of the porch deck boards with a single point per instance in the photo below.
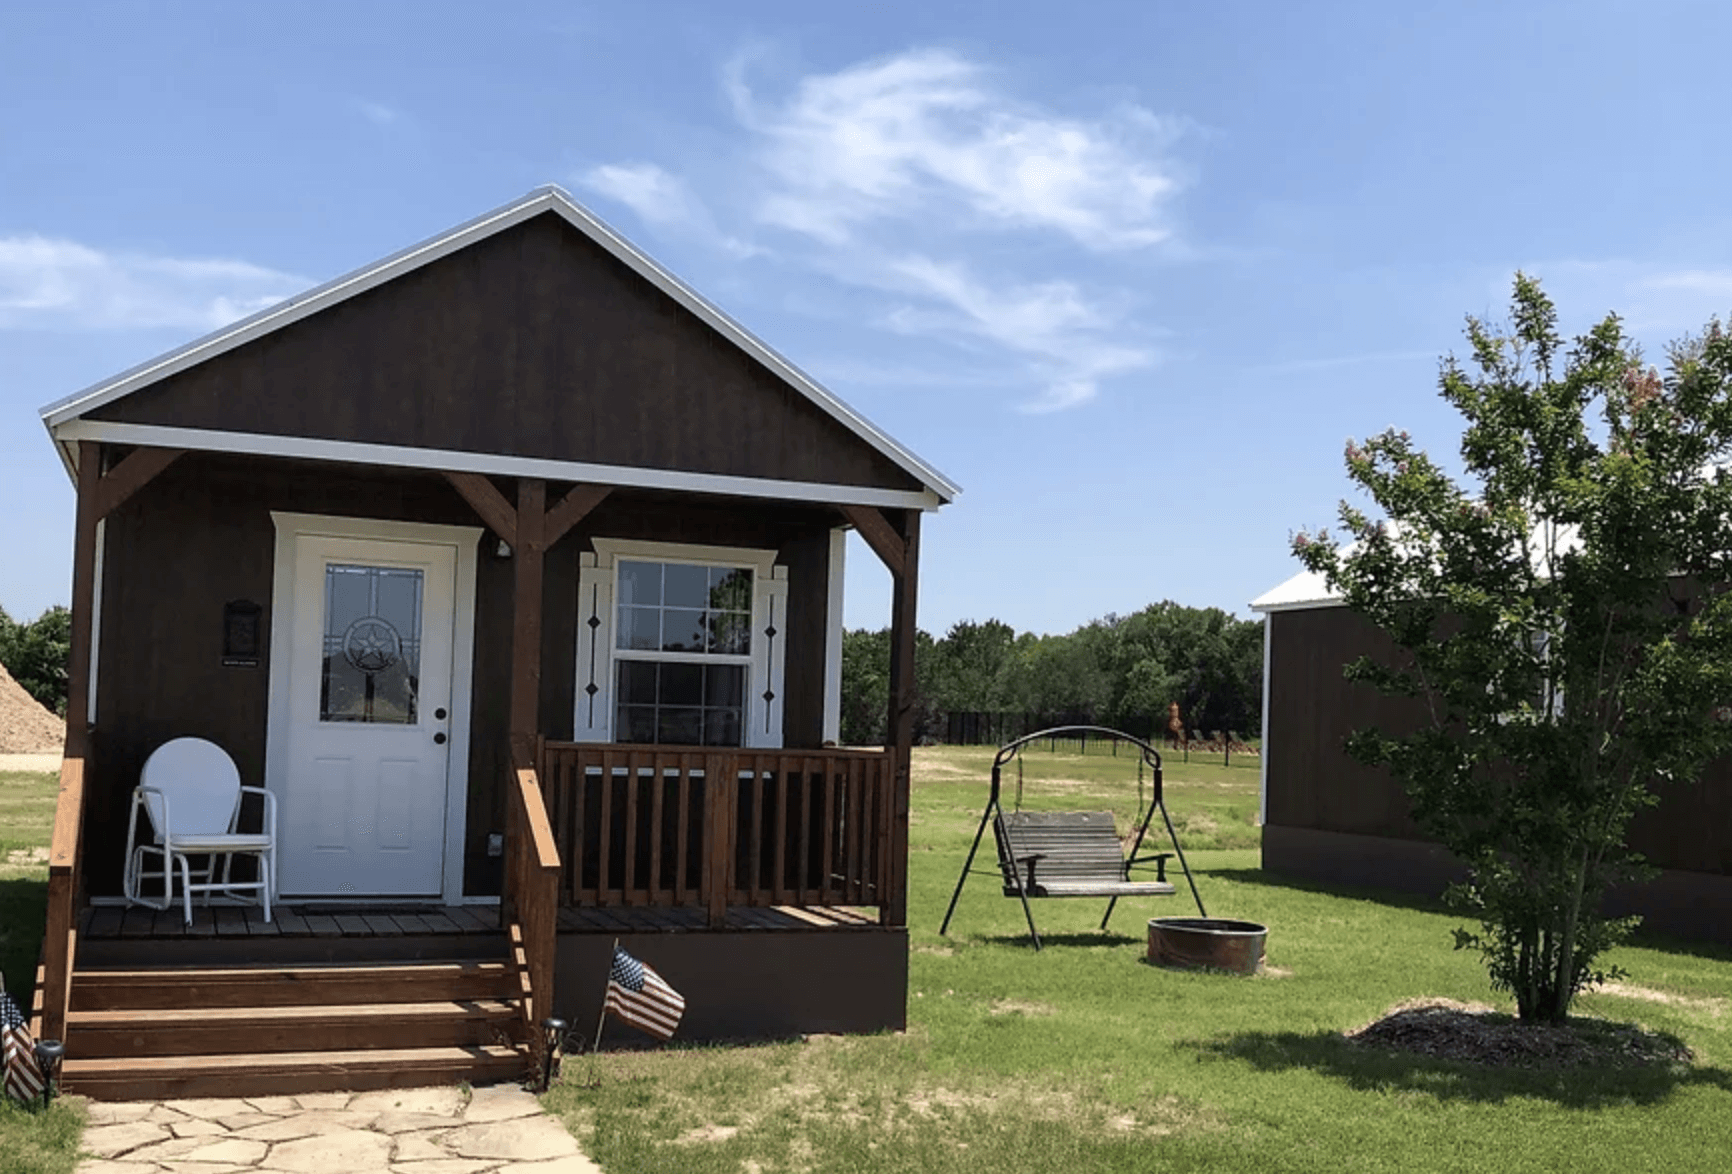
(112, 923)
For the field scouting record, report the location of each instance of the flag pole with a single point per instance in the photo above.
(601, 1017)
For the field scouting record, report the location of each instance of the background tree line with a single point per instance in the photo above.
(1120, 671)
(35, 653)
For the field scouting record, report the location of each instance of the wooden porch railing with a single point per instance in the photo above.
(530, 909)
(60, 941)
(709, 828)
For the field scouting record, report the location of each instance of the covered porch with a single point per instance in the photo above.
(770, 881)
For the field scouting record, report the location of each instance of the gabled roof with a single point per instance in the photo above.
(58, 416)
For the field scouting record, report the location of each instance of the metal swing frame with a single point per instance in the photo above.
(1009, 865)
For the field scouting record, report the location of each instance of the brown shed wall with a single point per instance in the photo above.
(535, 342)
(1313, 784)
(200, 536)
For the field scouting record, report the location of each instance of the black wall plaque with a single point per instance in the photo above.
(241, 634)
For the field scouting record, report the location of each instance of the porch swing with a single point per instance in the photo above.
(1073, 853)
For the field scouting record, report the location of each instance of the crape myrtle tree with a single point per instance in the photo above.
(1564, 623)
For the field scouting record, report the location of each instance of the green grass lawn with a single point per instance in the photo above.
(30, 1143)
(1084, 1058)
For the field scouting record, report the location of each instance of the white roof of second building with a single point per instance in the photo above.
(1306, 589)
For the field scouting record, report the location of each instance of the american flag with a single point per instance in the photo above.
(638, 995)
(18, 1053)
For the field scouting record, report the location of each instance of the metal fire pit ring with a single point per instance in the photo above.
(1214, 943)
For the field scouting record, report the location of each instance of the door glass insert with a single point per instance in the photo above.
(372, 645)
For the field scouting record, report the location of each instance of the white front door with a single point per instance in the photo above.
(363, 762)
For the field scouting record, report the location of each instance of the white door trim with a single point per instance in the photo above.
(466, 539)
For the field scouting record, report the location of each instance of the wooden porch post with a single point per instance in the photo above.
(900, 728)
(60, 942)
(527, 553)
(83, 598)
(98, 494)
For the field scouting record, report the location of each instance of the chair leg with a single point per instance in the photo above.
(1109, 913)
(186, 886)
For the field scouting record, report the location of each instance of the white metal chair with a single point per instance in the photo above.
(191, 793)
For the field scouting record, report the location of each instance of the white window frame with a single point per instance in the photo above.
(597, 671)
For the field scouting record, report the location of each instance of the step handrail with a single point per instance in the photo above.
(530, 910)
(60, 939)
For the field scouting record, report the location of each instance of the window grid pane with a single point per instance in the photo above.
(679, 703)
(679, 607)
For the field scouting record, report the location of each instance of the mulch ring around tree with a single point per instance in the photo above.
(1473, 1032)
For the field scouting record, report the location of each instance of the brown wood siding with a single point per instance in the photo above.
(808, 561)
(201, 535)
(1313, 784)
(1312, 708)
(535, 342)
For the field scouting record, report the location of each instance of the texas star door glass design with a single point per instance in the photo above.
(372, 657)
(363, 813)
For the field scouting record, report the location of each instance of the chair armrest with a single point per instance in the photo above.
(270, 814)
(138, 796)
(1032, 858)
(1160, 859)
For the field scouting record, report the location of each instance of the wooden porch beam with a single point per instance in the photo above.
(129, 476)
(488, 502)
(528, 546)
(879, 534)
(571, 510)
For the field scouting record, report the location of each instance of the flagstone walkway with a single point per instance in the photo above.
(496, 1130)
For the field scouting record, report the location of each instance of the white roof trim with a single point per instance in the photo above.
(544, 199)
(402, 457)
(1308, 605)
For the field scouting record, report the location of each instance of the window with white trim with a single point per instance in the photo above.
(680, 645)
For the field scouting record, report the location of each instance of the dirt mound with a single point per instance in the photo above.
(26, 727)
(1445, 1029)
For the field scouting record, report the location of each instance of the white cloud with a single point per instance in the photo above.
(926, 133)
(53, 283)
(378, 113)
(657, 197)
(1051, 322)
(965, 213)
(661, 200)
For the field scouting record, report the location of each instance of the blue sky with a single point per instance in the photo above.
(1129, 273)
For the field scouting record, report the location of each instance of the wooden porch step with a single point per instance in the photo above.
(265, 986)
(206, 1031)
(284, 1073)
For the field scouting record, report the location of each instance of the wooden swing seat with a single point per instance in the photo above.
(1070, 854)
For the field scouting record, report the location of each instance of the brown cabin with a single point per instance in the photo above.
(1328, 818)
(512, 568)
